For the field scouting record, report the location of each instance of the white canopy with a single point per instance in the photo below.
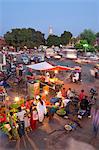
(41, 66)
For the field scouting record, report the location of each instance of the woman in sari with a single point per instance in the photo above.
(41, 108)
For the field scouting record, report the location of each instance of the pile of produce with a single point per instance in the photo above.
(61, 112)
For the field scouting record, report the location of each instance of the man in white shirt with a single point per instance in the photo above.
(20, 115)
(47, 77)
(65, 102)
(76, 77)
(69, 93)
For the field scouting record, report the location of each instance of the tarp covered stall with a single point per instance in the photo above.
(41, 66)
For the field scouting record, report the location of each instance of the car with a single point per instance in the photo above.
(94, 57)
(25, 60)
(13, 67)
(57, 56)
(36, 59)
(82, 60)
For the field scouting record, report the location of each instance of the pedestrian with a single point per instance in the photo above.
(69, 93)
(75, 77)
(41, 109)
(34, 118)
(81, 95)
(21, 122)
(63, 91)
(51, 112)
(96, 72)
(95, 120)
(80, 74)
(20, 70)
(27, 122)
(84, 103)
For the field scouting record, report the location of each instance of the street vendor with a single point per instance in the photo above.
(75, 78)
(69, 93)
(14, 126)
(63, 91)
(51, 111)
(47, 77)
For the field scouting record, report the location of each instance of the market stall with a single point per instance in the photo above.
(49, 76)
(3, 93)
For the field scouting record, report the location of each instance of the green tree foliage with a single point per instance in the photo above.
(91, 48)
(53, 40)
(73, 40)
(24, 37)
(97, 34)
(66, 37)
(80, 44)
(88, 35)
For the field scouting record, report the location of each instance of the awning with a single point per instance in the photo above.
(49, 67)
(41, 66)
(59, 68)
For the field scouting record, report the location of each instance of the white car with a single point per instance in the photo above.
(57, 56)
(94, 57)
(82, 60)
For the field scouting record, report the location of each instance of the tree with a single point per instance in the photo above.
(81, 44)
(84, 46)
(66, 37)
(88, 35)
(53, 40)
(24, 37)
(91, 48)
(97, 34)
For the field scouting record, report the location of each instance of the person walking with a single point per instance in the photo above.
(21, 122)
(81, 95)
(96, 72)
(95, 120)
(41, 109)
(34, 118)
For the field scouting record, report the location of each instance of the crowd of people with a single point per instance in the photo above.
(32, 112)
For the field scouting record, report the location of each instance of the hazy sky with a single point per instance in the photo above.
(72, 15)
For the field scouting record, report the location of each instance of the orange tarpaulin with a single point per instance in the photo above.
(65, 68)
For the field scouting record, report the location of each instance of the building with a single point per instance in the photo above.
(50, 32)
